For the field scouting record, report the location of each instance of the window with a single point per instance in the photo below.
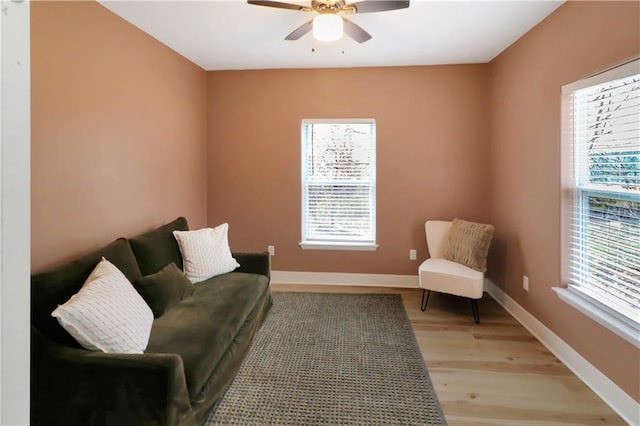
(339, 184)
(601, 191)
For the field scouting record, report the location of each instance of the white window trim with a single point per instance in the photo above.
(338, 246)
(617, 323)
(600, 313)
(327, 244)
(614, 73)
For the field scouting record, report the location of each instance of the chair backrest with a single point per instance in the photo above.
(437, 232)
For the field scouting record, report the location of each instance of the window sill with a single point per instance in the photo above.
(616, 323)
(338, 246)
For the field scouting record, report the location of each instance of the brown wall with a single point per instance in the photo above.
(118, 135)
(432, 155)
(578, 39)
(119, 143)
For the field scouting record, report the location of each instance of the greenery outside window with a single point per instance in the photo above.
(339, 184)
(601, 198)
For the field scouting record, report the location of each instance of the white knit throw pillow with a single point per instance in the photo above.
(205, 252)
(107, 314)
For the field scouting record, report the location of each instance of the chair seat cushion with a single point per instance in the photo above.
(449, 277)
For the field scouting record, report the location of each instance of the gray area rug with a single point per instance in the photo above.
(332, 359)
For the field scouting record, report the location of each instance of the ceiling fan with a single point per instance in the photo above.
(329, 24)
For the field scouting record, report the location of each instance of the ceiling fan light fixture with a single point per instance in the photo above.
(328, 27)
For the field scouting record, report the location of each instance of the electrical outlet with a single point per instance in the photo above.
(412, 254)
(525, 282)
(271, 250)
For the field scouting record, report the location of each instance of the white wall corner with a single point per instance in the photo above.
(344, 279)
(14, 213)
(612, 394)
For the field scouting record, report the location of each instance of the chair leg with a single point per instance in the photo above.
(423, 304)
(474, 309)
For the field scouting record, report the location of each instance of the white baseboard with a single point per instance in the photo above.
(616, 398)
(344, 279)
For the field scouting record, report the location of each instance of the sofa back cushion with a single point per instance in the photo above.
(156, 249)
(55, 286)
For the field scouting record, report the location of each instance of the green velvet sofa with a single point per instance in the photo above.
(194, 351)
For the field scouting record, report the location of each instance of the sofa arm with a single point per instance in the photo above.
(256, 263)
(72, 386)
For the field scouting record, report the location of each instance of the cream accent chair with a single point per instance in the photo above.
(445, 276)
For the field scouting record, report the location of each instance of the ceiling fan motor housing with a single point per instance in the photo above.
(328, 6)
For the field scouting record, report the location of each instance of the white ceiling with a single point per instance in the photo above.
(231, 34)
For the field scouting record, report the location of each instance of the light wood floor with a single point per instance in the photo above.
(492, 373)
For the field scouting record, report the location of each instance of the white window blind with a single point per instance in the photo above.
(338, 183)
(601, 190)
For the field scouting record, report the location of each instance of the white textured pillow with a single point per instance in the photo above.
(107, 314)
(205, 252)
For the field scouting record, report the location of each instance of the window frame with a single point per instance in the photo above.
(575, 194)
(331, 244)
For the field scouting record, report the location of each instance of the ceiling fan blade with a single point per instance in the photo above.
(300, 31)
(277, 4)
(378, 5)
(355, 31)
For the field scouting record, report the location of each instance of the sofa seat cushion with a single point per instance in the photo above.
(201, 327)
